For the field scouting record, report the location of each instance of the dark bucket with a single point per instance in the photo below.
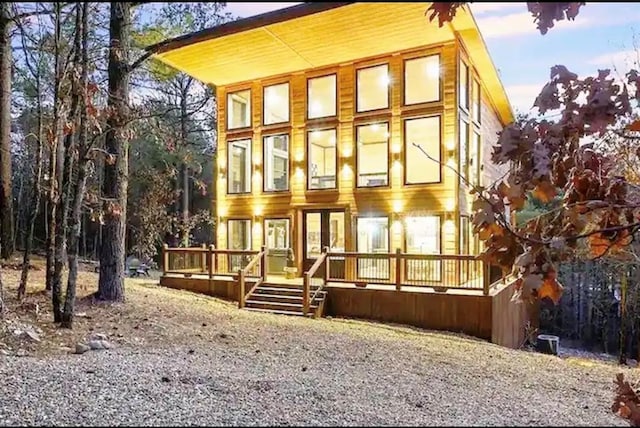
(547, 344)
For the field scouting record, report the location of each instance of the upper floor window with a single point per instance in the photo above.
(373, 154)
(276, 163)
(424, 131)
(372, 88)
(322, 159)
(463, 137)
(276, 104)
(321, 97)
(422, 80)
(463, 85)
(474, 159)
(476, 101)
(239, 109)
(239, 166)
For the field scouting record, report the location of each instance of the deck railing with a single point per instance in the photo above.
(439, 271)
(314, 280)
(258, 265)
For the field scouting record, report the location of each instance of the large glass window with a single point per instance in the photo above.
(276, 163)
(238, 238)
(476, 101)
(463, 85)
(373, 237)
(463, 137)
(373, 154)
(321, 97)
(422, 80)
(276, 104)
(425, 132)
(239, 109)
(277, 233)
(321, 167)
(373, 88)
(474, 159)
(423, 237)
(239, 175)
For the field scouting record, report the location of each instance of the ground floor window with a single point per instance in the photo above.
(238, 238)
(423, 237)
(277, 241)
(373, 237)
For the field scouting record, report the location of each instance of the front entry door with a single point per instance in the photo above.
(323, 228)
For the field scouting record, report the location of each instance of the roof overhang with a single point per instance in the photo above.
(314, 35)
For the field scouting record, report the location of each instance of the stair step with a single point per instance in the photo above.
(269, 311)
(277, 306)
(282, 291)
(279, 298)
(286, 286)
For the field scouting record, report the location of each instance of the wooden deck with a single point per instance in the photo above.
(491, 317)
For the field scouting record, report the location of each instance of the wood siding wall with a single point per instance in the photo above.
(428, 199)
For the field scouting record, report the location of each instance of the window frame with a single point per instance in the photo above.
(357, 70)
(250, 232)
(308, 160)
(357, 156)
(229, 143)
(264, 158)
(463, 119)
(370, 216)
(474, 130)
(227, 109)
(462, 64)
(404, 148)
(476, 107)
(404, 80)
(264, 229)
(264, 104)
(441, 219)
(336, 96)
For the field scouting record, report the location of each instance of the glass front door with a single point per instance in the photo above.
(278, 245)
(323, 228)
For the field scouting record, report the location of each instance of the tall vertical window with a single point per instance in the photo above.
(422, 80)
(372, 88)
(477, 96)
(465, 234)
(463, 85)
(239, 166)
(474, 159)
(425, 132)
(321, 167)
(373, 237)
(276, 104)
(321, 97)
(463, 146)
(238, 238)
(239, 109)
(277, 233)
(423, 237)
(276, 163)
(373, 154)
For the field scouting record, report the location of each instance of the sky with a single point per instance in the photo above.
(602, 36)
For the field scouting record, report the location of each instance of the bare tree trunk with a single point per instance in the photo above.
(6, 198)
(185, 168)
(112, 256)
(1, 290)
(80, 186)
(35, 188)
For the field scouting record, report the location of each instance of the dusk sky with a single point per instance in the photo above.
(602, 36)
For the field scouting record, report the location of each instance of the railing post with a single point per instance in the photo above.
(203, 259)
(486, 280)
(398, 270)
(305, 293)
(211, 256)
(263, 263)
(165, 258)
(326, 265)
(241, 288)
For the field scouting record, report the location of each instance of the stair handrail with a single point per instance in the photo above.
(242, 274)
(306, 290)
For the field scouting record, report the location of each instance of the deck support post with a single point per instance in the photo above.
(203, 258)
(398, 270)
(241, 288)
(263, 263)
(165, 259)
(306, 283)
(486, 280)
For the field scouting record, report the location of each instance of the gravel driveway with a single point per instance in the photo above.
(307, 374)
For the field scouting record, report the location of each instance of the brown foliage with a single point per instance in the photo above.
(626, 403)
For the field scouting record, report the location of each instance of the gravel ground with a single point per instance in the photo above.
(312, 373)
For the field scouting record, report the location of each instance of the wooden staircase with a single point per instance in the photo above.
(285, 299)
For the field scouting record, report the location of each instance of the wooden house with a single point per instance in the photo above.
(347, 136)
